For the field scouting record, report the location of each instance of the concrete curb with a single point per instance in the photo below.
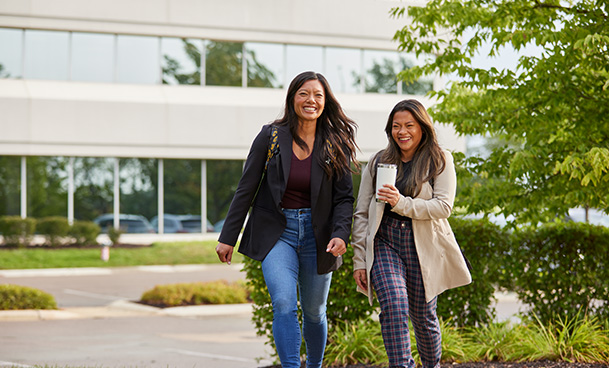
(123, 308)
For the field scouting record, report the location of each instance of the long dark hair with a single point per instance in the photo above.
(428, 161)
(334, 133)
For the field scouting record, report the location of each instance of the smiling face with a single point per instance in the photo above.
(407, 133)
(309, 101)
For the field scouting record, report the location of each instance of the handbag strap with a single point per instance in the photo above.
(272, 151)
(273, 147)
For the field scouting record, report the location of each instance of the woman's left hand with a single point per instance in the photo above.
(389, 194)
(337, 247)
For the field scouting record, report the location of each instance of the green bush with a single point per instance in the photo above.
(484, 244)
(573, 339)
(561, 269)
(14, 297)
(582, 340)
(84, 232)
(344, 302)
(17, 231)
(357, 342)
(196, 293)
(114, 234)
(54, 228)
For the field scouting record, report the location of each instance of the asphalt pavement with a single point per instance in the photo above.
(100, 324)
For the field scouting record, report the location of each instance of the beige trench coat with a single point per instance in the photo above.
(442, 263)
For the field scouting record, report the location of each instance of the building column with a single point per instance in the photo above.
(203, 196)
(23, 187)
(117, 194)
(71, 190)
(160, 198)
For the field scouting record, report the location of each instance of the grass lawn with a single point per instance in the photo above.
(161, 253)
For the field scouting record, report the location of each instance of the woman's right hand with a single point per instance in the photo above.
(361, 279)
(225, 252)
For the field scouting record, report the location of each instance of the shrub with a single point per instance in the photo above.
(573, 339)
(54, 228)
(17, 231)
(84, 232)
(484, 245)
(344, 302)
(196, 293)
(357, 342)
(561, 269)
(494, 341)
(114, 234)
(14, 297)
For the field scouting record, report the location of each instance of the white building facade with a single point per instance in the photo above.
(185, 79)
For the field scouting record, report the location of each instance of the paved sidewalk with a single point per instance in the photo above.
(115, 291)
(99, 323)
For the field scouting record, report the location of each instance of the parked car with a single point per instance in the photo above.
(180, 224)
(171, 224)
(218, 226)
(129, 223)
(192, 223)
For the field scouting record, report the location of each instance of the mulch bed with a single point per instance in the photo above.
(534, 364)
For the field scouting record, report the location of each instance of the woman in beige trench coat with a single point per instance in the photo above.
(404, 247)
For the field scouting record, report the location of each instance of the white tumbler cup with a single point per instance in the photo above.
(385, 174)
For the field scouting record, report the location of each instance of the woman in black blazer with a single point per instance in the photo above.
(302, 205)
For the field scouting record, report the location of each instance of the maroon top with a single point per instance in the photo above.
(298, 191)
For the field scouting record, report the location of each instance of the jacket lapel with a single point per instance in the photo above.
(285, 159)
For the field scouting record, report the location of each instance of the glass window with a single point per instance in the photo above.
(47, 186)
(343, 69)
(11, 53)
(10, 185)
(264, 65)
(381, 69)
(181, 60)
(303, 58)
(93, 187)
(424, 84)
(46, 54)
(223, 65)
(138, 186)
(92, 57)
(221, 187)
(138, 59)
(183, 191)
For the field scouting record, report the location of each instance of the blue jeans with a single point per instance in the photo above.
(290, 270)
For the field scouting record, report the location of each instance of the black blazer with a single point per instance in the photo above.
(331, 202)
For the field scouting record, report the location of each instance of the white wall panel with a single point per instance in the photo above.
(332, 23)
(96, 119)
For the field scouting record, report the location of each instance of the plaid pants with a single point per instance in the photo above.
(398, 283)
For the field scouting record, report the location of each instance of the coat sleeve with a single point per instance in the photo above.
(361, 219)
(247, 187)
(441, 202)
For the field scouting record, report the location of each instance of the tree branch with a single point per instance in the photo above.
(540, 5)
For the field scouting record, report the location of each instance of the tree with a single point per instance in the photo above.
(47, 193)
(383, 78)
(223, 66)
(93, 192)
(10, 182)
(221, 186)
(553, 108)
(3, 72)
